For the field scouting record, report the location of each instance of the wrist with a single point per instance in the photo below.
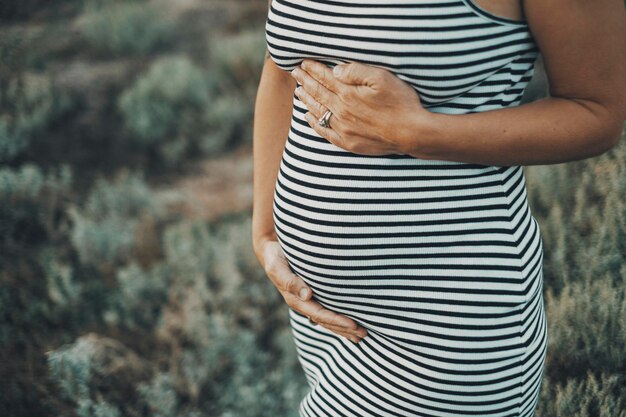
(420, 136)
(258, 240)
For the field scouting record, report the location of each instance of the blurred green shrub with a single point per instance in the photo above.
(229, 119)
(163, 109)
(237, 59)
(72, 367)
(581, 209)
(104, 229)
(29, 104)
(588, 326)
(31, 201)
(63, 289)
(593, 396)
(160, 395)
(126, 27)
(95, 373)
(139, 297)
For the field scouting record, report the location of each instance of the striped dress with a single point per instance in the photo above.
(440, 261)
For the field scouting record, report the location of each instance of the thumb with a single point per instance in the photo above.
(304, 293)
(296, 285)
(353, 73)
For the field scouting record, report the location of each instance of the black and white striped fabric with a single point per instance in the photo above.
(441, 261)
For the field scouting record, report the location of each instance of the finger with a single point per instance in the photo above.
(320, 314)
(357, 73)
(320, 93)
(313, 106)
(324, 75)
(284, 279)
(350, 337)
(360, 333)
(343, 333)
(325, 132)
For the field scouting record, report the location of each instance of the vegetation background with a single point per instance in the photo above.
(128, 284)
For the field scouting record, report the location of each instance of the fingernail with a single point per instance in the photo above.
(303, 293)
(298, 90)
(355, 340)
(338, 70)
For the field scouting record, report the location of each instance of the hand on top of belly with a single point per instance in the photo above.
(290, 285)
(373, 111)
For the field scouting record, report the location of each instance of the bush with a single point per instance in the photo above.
(588, 327)
(139, 297)
(238, 59)
(95, 373)
(603, 396)
(104, 229)
(229, 120)
(160, 395)
(63, 289)
(121, 28)
(31, 205)
(581, 209)
(28, 106)
(163, 108)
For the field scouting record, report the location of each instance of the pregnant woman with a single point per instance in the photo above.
(390, 205)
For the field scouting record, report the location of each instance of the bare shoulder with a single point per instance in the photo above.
(583, 45)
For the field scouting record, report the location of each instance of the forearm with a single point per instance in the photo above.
(272, 120)
(547, 131)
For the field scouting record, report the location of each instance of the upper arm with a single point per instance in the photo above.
(267, 52)
(583, 45)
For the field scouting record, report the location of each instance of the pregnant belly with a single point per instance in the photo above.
(403, 246)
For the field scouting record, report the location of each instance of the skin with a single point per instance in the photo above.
(584, 52)
(374, 112)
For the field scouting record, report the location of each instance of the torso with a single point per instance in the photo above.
(440, 261)
(459, 57)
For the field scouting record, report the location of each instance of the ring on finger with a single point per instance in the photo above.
(324, 121)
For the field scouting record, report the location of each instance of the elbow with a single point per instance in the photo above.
(609, 125)
(615, 116)
(609, 118)
(613, 133)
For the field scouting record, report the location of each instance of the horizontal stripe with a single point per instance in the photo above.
(441, 261)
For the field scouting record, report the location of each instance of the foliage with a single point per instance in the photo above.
(238, 59)
(139, 297)
(590, 396)
(163, 108)
(30, 199)
(28, 105)
(578, 315)
(581, 207)
(126, 27)
(228, 119)
(104, 229)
